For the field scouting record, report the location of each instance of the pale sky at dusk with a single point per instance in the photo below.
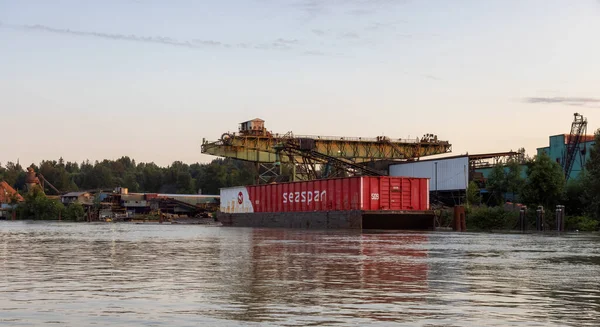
(151, 78)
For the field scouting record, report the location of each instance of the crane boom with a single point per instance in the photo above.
(44, 181)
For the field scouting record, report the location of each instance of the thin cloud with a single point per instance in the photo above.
(287, 41)
(383, 25)
(360, 12)
(312, 8)
(570, 101)
(318, 32)
(314, 53)
(435, 78)
(194, 44)
(278, 44)
(350, 35)
(315, 8)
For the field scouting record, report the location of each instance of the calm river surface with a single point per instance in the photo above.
(67, 274)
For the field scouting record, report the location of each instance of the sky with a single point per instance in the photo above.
(151, 79)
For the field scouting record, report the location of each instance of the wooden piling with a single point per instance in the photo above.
(562, 221)
(560, 218)
(539, 219)
(460, 223)
(522, 219)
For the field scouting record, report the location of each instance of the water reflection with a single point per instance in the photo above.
(321, 272)
(129, 275)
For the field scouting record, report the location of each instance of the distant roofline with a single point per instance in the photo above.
(255, 119)
(78, 193)
(591, 138)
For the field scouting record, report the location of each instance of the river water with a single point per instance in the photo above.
(67, 274)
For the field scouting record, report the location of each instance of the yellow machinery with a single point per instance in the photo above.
(307, 153)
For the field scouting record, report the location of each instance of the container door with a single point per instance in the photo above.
(395, 193)
(384, 193)
(374, 193)
(415, 195)
(355, 193)
(406, 191)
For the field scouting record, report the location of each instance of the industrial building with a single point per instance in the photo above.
(558, 147)
(84, 198)
(571, 150)
(449, 177)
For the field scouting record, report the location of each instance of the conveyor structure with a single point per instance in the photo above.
(312, 157)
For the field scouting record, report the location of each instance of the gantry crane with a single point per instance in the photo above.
(306, 154)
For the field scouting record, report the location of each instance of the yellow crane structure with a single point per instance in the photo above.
(311, 157)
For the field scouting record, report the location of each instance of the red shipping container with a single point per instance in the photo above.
(339, 194)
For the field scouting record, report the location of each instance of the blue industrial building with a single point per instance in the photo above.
(558, 147)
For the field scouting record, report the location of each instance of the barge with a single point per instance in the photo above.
(362, 202)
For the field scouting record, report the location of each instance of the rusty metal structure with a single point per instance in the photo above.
(575, 147)
(486, 160)
(490, 160)
(312, 157)
(37, 180)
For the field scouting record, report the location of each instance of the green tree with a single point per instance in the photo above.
(591, 182)
(178, 177)
(185, 183)
(514, 181)
(473, 196)
(56, 174)
(38, 206)
(74, 211)
(130, 182)
(576, 198)
(2, 172)
(14, 175)
(505, 179)
(215, 177)
(545, 183)
(496, 184)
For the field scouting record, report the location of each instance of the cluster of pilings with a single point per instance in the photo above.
(540, 223)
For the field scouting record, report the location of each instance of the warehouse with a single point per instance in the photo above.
(449, 177)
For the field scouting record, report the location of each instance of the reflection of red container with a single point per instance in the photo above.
(151, 196)
(382, 193)
(392, 267)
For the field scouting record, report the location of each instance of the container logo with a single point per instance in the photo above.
(308, 197)
(240, 198)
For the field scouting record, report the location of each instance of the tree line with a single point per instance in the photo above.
(544, 184)
(177, 178)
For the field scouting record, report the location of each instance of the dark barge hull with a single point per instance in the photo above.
(404, 220)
